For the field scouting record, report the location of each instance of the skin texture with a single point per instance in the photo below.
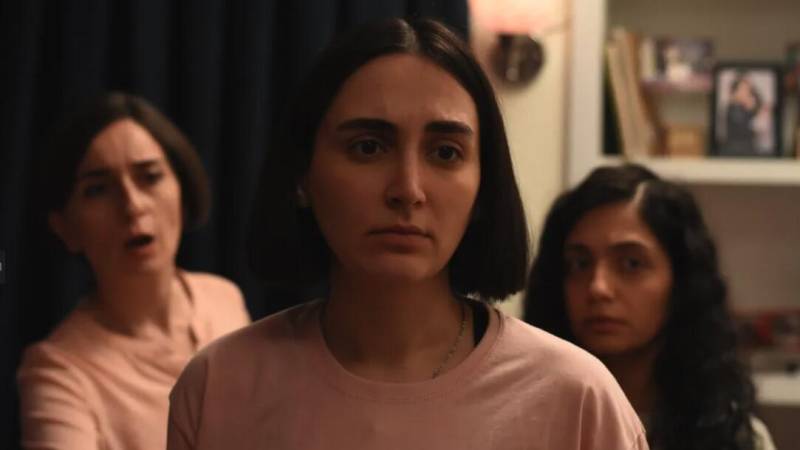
(398, 147)
(377, 163)
(618, 282)
(125, 188)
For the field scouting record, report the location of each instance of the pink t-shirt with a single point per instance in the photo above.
(275, 385)
(86, 387)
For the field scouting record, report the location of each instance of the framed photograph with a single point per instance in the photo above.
(746, 110)
(682, 59)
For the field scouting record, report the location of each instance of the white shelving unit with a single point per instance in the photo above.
(585, 120)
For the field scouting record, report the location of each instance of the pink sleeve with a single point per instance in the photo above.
(186, 405)
(608, 421)
(54, 408)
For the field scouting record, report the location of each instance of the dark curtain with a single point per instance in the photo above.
(220, 69)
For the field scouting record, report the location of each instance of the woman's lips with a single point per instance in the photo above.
(604, 324)
(401, 238)
(140, 244)
(403, 230)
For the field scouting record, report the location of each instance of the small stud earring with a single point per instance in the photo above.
(302, 198)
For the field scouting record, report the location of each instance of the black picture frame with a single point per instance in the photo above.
(746, 108)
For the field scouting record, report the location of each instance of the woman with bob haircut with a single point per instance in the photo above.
(391, 183)
(626, 269)
(120, 184)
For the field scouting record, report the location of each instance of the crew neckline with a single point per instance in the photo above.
(335, 375)
(83, 314)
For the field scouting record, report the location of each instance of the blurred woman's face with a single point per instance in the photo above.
(124, 213)
(618, 281)
(395, 169)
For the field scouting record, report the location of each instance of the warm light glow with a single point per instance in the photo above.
(513, 16)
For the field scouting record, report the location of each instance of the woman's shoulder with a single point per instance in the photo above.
(552, 374)
(52, 362)
(78, 334)
(209, 285)
(541, 350)
(218, 302)
(267, 336)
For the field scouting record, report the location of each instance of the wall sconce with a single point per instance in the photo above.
(518, 55)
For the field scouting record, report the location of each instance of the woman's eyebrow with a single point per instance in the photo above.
(381, 125)
(449, 126)
(100, 172)
(370, 124)
(146, 163)
(572, 247)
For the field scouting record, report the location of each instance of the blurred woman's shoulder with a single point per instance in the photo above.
(211, 286)
(219, 305)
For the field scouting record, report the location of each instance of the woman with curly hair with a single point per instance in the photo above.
(626, 269)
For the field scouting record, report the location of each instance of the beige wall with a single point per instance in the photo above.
(534, 117)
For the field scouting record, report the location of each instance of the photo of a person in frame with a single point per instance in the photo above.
(745, 124)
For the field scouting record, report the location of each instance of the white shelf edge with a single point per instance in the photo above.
(777, 389)
(734, 171)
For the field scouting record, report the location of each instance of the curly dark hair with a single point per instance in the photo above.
(706, 396)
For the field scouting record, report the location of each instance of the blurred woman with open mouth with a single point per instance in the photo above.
(121, 185)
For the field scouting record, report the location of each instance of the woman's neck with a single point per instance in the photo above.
(635, 374)
(141, 305)
(395, 331)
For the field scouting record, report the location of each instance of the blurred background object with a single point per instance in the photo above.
(517, 53)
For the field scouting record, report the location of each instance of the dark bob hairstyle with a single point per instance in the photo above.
(705, 396)
(72, 139)
(286, 246)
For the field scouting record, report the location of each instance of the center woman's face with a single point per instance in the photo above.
(618, 281)
(124, 213)
(396, 169)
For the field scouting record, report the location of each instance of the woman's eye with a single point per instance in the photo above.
(575, 265)
(632, 264)
(447, 153)
(94, 190)
(366, 147)
(153, 177)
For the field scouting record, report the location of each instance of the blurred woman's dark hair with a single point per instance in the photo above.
(72, 138)
(286, 246)
(705, 396)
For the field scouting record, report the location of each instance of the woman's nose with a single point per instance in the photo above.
(602, 283)
(132, 198)
(405, 188)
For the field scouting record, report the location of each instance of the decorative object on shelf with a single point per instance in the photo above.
(677, 63)
(746, 110)
(684, 140)
(518, 55)
(776, 329)
(638, 129)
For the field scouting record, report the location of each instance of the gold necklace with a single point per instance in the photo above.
(452, 350)
(450, 353)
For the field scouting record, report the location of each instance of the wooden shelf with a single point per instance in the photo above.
(695, 85)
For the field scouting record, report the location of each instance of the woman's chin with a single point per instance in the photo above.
(401, 270)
